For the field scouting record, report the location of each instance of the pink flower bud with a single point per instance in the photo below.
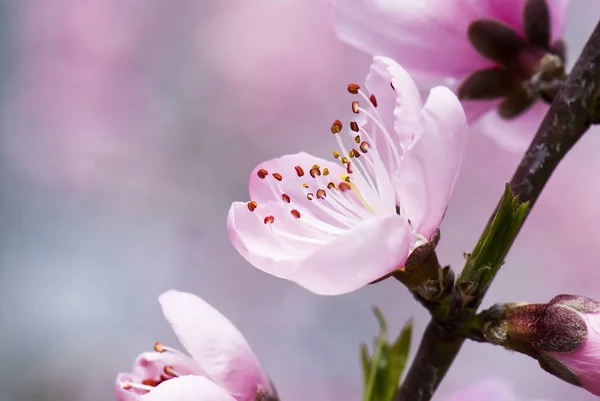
(571, 349)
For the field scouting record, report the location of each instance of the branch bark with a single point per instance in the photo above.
(569, 117)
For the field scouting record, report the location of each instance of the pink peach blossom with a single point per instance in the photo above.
(430, 38)
(221, 367)
(333, 228)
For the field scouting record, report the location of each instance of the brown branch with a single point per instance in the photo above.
(574, 109)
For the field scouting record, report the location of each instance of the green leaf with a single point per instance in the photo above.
(383, 370)
(489, 253)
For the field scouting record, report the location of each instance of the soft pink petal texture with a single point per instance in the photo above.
(411, 32)
(257, 242)
(491, 389)
(585, 360)
(431, 163)
(150, 365)
(214, 342)
(400, 105)
(367, 252)
(513, 135)
(188, 388)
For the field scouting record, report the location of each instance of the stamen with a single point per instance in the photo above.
(325, 171)
(344, 160)
(356, 154)
(331, 185)
(354, 126)
(364, 147)
(299, 171)
(336, 155)
(315, 171)
(336, 127)
(168, 369)
(392, 85)
(349, 168)
(373, 100)
(286, 198)
(344, 186)
(295, 213)
(277, 176)
(321, 194)
(262, 173)
(305, 185)
(269, 220)
(355, 107)
(128, 384)
(252, 205)
(353, 88)
(357, 139)
(310, 196)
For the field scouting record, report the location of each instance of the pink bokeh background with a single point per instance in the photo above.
(126, 130)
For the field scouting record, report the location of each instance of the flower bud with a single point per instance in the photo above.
(563, 335)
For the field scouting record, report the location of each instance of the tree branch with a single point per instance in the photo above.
(573, 110)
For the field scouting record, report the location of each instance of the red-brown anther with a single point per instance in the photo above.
(349, 168)
(310, 196)
(321, 193)
(347, 178)
(357, 139)
(392, 85)
(295, 213)
(353, 88)
(325, 171)
(354, 126)
(150, 382)
(331, 185)
(315, 171)
(364, 147)
(356, 153)
(373, 100)
(355, 106)
(269, 220)
(344, 186)
(251, 206)
(169, 371)
(285, 198)
(158, 347)
(262, 173)
(304, 185)
(277, 176)
(127, 385)
(336, 127)
(299, 171)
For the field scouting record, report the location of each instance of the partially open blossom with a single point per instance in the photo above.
(498, 56)
(221, 365)
(335, 226)
(564, 335)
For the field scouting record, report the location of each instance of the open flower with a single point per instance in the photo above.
(496, 55)
(221, 367)
(335, 226)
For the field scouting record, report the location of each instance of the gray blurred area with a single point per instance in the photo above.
(128, 127)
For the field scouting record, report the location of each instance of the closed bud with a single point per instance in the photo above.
(563, 335)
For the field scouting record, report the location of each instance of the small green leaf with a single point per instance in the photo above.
(382, 372)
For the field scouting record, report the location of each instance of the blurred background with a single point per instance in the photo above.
(127, 128)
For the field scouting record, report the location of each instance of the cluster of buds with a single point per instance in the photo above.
(563, 335)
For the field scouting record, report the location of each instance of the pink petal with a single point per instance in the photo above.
(513, 135)
(214, 342)
(411, 32)
(258, 243)
(492, 389)
(431, 164)
(367, 252)
(188, 388)
(398, 98)
(122, 394)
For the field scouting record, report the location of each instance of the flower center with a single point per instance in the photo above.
(168, 372)
(364, 189)
(527, 66)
